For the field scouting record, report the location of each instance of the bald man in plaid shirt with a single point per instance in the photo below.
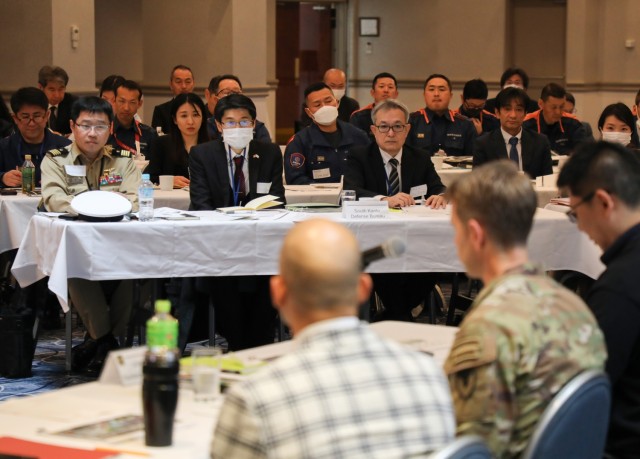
(343, 391)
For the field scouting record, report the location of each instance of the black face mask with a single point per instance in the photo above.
(472, 112)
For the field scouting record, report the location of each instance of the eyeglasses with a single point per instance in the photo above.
(36, 118)
(99, 128)
(384, 128)
(226, 92)
(235, 124)
(571, 213)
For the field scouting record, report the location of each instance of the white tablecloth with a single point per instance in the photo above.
(16, 211)
(30, 418)
(216, 245)
(544, 192)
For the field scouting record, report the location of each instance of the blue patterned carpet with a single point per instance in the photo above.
(47, 369)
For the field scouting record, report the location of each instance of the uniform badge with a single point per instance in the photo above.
(420, 135)
(296, 160)
(110, 177)
(320, 159)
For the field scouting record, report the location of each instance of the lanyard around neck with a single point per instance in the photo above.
(235, 183)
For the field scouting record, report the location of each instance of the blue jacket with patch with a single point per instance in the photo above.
(309, 158)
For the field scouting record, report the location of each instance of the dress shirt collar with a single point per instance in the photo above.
(508, 136)
(244, 153)
(324, 326)
(386, 156)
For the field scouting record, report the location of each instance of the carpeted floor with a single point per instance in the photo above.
(48, 367)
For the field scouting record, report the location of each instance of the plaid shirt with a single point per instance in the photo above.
(343, 392)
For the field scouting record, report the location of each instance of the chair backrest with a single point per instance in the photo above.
(576, 421)
(465, 447)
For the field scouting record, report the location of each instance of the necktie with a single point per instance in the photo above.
(513, 153)
(53, 119)
(238, 180)
(394, 180)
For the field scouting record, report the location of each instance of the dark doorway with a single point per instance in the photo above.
(303, 53)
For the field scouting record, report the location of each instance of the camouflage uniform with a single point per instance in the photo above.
(113, 170)
(523, 339)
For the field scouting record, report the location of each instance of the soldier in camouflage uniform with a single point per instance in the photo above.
(87, 164)
(525, 336)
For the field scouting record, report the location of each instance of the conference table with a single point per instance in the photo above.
(16, 211)
(40, 418)
(218, 244)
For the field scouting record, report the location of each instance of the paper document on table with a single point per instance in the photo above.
(426, 211)
(263, 202)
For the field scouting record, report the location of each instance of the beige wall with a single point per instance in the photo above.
(144, 39)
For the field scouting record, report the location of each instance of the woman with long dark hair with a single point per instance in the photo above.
(189, 128)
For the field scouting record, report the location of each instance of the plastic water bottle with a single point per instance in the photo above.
(28, 175)
(161, 368)
(145, 199)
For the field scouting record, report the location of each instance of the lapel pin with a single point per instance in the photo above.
(256, 156)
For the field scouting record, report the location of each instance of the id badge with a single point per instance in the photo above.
(263, 187)
(321, 173)
(74, 174)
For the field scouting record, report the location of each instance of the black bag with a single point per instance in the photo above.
(16, 344)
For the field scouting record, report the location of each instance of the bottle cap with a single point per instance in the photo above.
(163, 305)
(27, 157)
(145, 176)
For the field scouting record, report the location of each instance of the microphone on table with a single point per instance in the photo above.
(391, 248)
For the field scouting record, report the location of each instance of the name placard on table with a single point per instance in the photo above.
(365, 210)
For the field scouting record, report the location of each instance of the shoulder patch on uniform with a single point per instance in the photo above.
(296, 160)
(58, 152)
(470, 351)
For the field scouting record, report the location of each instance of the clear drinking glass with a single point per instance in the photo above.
(347, 195)
(205, 372)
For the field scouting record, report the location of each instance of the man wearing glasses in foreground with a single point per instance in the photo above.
(603, 180)
(391, 171)
(87, 164)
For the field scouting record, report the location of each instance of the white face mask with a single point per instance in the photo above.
(339, 93)
(623, 138)
(238, 138)
(326, 115)
(511, 85)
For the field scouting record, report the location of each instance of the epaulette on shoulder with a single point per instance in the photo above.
(58, 152)
(121, 153)
(570, 115)
(291, 139)
(459, 116)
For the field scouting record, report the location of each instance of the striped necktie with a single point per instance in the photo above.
(394, 180)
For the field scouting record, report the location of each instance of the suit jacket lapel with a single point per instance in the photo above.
(379, 171)
(526, 147)
(499, 144)
(221, 159)
(406, 168)
(253, 156)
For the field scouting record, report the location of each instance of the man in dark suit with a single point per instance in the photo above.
(528, 149)
(53, 81)
(181, 82)
(394, 172)
(230, 172)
